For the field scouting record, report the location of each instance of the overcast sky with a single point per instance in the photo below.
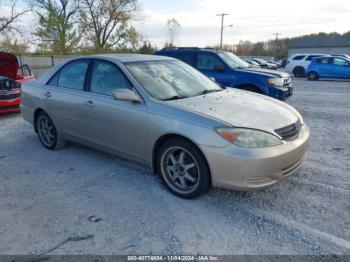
(252, 19)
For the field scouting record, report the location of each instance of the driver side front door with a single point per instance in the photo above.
(117, 125)
(210, 65)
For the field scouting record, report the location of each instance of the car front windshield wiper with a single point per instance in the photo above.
(174, 98)
(207, 91)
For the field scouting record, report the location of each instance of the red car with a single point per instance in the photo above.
(10, 82)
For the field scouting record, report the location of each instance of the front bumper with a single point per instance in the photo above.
(246, 169)
(8, 106)
(283, 94)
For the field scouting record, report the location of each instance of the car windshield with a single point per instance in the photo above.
(232, 60)
(170, 80)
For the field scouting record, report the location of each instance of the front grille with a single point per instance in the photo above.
(290, 131)
(10, 107)
(9, 96)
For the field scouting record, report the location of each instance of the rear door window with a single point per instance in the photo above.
(324, 60)
(188, 58)
(299, 57)
(309, 58)
(71, 76)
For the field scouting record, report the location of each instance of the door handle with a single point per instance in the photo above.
(90, 103)
(47, 94)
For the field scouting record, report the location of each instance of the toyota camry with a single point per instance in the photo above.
(162, 113)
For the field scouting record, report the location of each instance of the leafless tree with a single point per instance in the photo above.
(8, 22)
(107, 21)
(173, 27)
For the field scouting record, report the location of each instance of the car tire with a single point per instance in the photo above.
(183, 169)
(312, 76)
(47, 132)
(299, 71)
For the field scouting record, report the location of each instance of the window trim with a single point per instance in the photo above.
(57, 73)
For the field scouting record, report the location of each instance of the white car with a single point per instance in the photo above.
(297, 64)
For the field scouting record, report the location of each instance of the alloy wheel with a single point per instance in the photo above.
(180, 170)
(47, 131)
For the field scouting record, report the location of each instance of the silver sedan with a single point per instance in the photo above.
(163, 113)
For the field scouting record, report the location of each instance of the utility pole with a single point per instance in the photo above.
(222, 27)
(274, 44)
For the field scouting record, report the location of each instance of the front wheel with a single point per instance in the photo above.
(312, 76)
(47, 132)
(183, 169)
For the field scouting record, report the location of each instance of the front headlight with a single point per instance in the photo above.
(276, 82)
(248, 137)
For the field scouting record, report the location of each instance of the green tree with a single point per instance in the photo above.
(107, 22)
(14, 47)
(147, 48)
(58, 28)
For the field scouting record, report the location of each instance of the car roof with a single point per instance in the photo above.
(298, 54)
(188, 49)
(126, 58)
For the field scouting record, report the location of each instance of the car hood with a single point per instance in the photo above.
(241, 109)
(265, 72)
(8, 65)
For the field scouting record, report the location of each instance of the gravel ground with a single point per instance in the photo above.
(46, 197)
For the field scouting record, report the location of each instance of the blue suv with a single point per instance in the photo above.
(229, 70)
(329, 67)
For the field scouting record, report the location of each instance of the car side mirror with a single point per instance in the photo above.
(126, 95)
(219, 68)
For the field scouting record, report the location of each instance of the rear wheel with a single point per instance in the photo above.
(47, 132)
(183, 169)
(312, 76)
(299, 71)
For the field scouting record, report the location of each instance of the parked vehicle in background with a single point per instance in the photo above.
(252, 64)
(229, 70)
(277, 63)
(329, 67)
(283, 63)
(264, 64)
(343, 56)
(165, 114)
(10, 82)
(297, 64)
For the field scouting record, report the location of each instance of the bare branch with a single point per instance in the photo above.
(8, 23)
